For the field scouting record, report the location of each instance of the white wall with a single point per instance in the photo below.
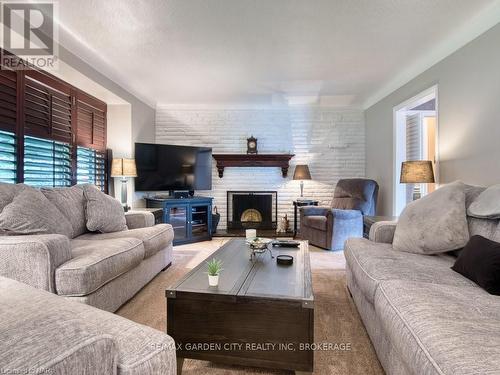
(119, 130)
(469, 118)
(331, 141)
(119, 139)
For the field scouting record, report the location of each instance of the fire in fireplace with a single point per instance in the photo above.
(252, 209)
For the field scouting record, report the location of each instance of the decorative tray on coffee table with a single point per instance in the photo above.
(260, 245)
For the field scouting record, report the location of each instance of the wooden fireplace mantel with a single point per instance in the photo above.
(250, 160)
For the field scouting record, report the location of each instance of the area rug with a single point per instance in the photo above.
(337, 321)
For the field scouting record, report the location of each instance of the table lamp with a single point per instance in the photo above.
(302, 173)
(417, 172)
(124, 168)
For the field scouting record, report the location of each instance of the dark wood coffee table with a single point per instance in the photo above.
(261, 314)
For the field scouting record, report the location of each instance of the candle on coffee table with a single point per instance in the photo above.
(251, 234)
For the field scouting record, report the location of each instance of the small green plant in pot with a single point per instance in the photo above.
(214, 270)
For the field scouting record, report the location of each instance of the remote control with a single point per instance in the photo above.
(286, 243)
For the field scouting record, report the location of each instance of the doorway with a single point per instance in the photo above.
(415, 138)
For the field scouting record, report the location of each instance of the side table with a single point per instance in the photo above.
(300, 203)
(368, 221)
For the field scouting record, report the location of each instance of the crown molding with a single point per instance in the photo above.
(253, 107)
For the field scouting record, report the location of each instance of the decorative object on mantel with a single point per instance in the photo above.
(302, 173)
(252, 145)
(253, 160)
(417, 172)
(124, 168)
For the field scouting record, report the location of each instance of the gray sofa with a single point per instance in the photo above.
(329, 227)
(421, 316)
(42, 333)
(100, 269)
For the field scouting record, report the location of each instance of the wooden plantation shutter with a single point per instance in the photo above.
(413, 146)
(48, 130)
(91, 140)
(47, 162)
(91, 122)
(9, 125)
(91, 167)
(44, 121)
(8, 100)
(8, 157)
(48, 106)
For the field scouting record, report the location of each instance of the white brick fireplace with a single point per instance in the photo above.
(330, 140)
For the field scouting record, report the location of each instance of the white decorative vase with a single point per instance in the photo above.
(213, 280)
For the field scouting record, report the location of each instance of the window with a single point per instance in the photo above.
(415, 130)
(8, 166)
(91, 167)
(46, 162)
(51, 133)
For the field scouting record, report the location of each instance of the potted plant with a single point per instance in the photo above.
(214, 270)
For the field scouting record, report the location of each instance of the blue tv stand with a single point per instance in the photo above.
(191, 218)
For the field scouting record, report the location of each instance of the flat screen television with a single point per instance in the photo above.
(170, 168)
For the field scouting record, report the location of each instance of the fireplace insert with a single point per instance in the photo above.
(252, 209)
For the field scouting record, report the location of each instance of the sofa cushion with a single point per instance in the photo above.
(488, 228)
(316, 222)
(371, 263)
(40, 336)
(32, 213)
(436, 223)
(41, 320)
(8, 192)
(94, 263)
(154, 238)
(441, 329)
(103, 213)
(487, 204)
(71, 202)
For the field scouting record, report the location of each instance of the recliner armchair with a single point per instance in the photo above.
(329, 227)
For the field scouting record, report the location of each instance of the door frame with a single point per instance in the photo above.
(399, 138)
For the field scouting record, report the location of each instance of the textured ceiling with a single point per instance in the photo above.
(258, 51)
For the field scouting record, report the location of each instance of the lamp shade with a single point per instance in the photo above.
(417, 172)
(123, 168)
(302, 172)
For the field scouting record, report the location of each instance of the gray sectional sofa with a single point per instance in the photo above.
(42, 333)
(421, 316)
(44, 327)
(100, 269)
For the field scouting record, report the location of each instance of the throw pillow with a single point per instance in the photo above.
(30, 212)
(480, 262)
(71, 202)
(8, 192)
(104, 213)
(487, 204)
(436, 223)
